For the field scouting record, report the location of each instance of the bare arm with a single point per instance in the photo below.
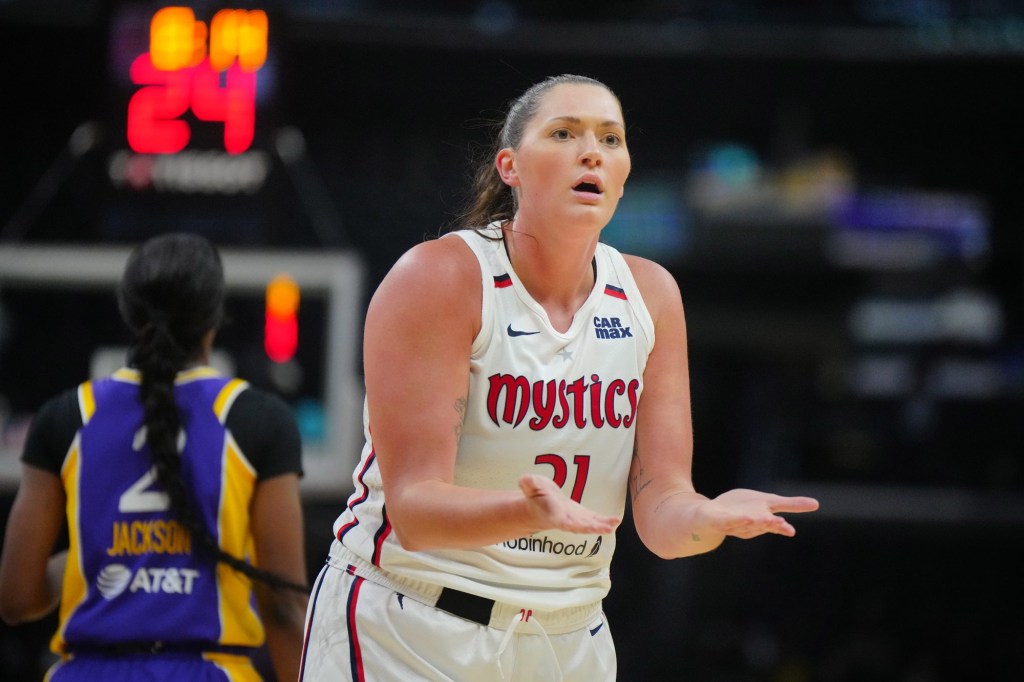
(418, 336)
(671, 517)
(30, 578)
(280, 548)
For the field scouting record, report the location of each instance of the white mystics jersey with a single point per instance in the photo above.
(558, 404)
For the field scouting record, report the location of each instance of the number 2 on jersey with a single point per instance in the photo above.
(561, 468)
(139, 497)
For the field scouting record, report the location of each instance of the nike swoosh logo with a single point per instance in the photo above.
(513, 332)
(596, 630)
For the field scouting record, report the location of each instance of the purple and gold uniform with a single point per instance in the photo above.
(135, 579)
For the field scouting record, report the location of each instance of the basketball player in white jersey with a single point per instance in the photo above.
(521, 376)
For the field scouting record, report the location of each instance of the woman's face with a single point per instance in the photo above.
(572, 162)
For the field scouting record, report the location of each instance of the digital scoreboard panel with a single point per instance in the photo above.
(192, 107)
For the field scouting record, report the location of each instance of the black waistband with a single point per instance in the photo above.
(135, 648)
(464, 605)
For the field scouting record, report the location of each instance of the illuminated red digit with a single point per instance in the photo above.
(153, 112)
(234, 103)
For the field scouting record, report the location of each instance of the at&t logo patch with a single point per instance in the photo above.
(116, 578)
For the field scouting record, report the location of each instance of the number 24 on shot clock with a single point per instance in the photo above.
(209, 72)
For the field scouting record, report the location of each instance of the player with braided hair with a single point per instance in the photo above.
(179, 487)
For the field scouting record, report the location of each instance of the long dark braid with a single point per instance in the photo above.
(171, 296)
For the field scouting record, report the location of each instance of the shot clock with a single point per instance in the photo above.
(193, 93)
(190, 67)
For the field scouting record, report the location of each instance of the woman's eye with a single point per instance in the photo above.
(560, 134)
(612, 140)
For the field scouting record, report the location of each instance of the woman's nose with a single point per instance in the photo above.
(590, 152)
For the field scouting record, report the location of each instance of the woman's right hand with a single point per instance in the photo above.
(551, 509)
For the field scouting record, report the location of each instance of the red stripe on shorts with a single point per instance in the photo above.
(355, 652)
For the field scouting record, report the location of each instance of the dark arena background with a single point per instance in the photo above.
(836, 185)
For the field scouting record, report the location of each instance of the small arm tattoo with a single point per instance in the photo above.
(637, 482)
(460, 410)
(660, 504)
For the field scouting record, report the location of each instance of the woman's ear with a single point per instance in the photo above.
(505, 163)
